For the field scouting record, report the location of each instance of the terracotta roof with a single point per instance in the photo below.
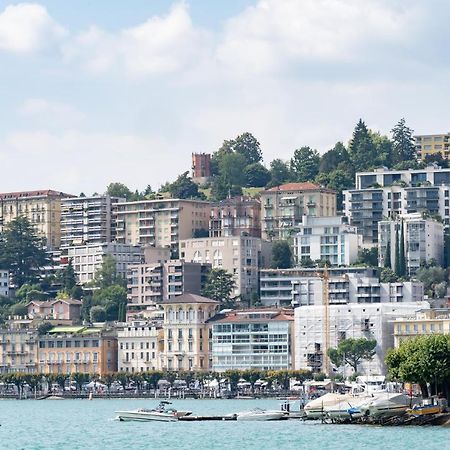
(69, 301)
(188, 298)
(40, 303)
(308, 186)
(42, 193)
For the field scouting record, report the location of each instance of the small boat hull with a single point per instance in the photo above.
(261, 415)
(143, 416)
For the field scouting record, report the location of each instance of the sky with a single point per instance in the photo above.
(93, 92)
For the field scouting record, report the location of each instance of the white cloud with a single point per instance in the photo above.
(46, 111)
(27, 27)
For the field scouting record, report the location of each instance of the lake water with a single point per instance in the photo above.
(83, 424)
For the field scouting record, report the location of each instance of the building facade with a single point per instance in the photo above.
(87, 220)
(4, 283)
(328, 239)
(371, 321)
(253, 339)
(237, 216)
(139, 346)
(186, 333)
(67, 309)
(161, 223)
(433, 144)
(201, 167)
(423, 241)
(87, 259)
(283, 207)
(240, 256)
(41, 208)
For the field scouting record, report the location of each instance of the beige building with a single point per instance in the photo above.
(67, 309)
(139, 346)
(282, 207)
(186, 333)
(425, 322)
(41, 208)
(160, 223)
(240, 256)
(432, 144)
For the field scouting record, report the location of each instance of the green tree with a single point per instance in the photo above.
(362, 150)
(431, 277)
(387, 275)
(256, 175)
(352, 352)
(404, 148)
(231, 168)
(219, 285)
(305, 164)
(402, 270)
(383, 149)
(247, 146)
(107, 275)
(98, 314)
(281, 255)
(21, 251)
(220, 188)
(368, 256)
(119, 190)
(387, 256)
(332, 159)
(44, 328)
(280, 172)
(339, 180)
(397, 268)
(69, 280)
(184, 187)
(19, 310)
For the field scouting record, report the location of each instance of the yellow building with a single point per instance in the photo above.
(431, 144)
(186, 333)
(426, 322)
(41, 208)
(78, 349)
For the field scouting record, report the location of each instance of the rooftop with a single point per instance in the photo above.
(188, 298)
(41, 193)
(308, 186)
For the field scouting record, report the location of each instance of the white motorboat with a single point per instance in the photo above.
(161, 413)
(315, 409)
(261, 414)
(386, 404)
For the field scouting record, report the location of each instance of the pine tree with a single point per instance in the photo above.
(397, 252)
(387, 256)
(362, 150)
(404, 144)
(402, 256)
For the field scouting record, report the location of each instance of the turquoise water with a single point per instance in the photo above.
(83, 424)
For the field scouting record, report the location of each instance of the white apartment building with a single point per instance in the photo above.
(4, 283)
(87, 259)
(161, 223)
(423, 240)
(328, 239)
(305, 287)
(240, 256)
(371, 321)
(138, 346)
(87, 220)
(253, 339)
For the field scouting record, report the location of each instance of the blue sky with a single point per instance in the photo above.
(100, 91)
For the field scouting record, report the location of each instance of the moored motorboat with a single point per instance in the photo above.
(161, 413)
(261, 415)
(386, 404)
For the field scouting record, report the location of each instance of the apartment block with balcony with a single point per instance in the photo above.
(161, 223)
(371, 321)
(77, 349)
(4, 283)
(283, 207)
(240, 256)
(41, 208)
(259, 339)
(328, 239)
(237, 216)
(423, 241)
(432, 144)
(423, 323)
(88, 220)
(139, 346)
(186, 333)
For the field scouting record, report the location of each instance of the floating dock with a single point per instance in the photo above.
(204, 418)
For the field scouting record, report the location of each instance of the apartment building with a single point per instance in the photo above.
(161, 223)
(240, 256)
(305, 287)
(149, 284)
(283, 207)
(237, 216)
(139, 345)
(4, 283)
(78, 349)
(186, 332)
(260, 339)
(329, 239)
(41, 208)
(371, 321)
(88, 220)
(423, 323)
(432, 144)
(67, 309)
(423, 240)
(87, 259)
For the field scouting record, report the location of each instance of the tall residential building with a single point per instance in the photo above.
(240, 256)
(259, 339)
(87, 220)
(152, 283)
(87, 259)
(305, 287)
(432, 144)
(139, 346)
(41, 208)
(237, 216)
(371, 321)
(161, 223)
(328, 239)
(423, 240)
(4, 283)
(424, 323)
(201, 167)
(186, 333)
